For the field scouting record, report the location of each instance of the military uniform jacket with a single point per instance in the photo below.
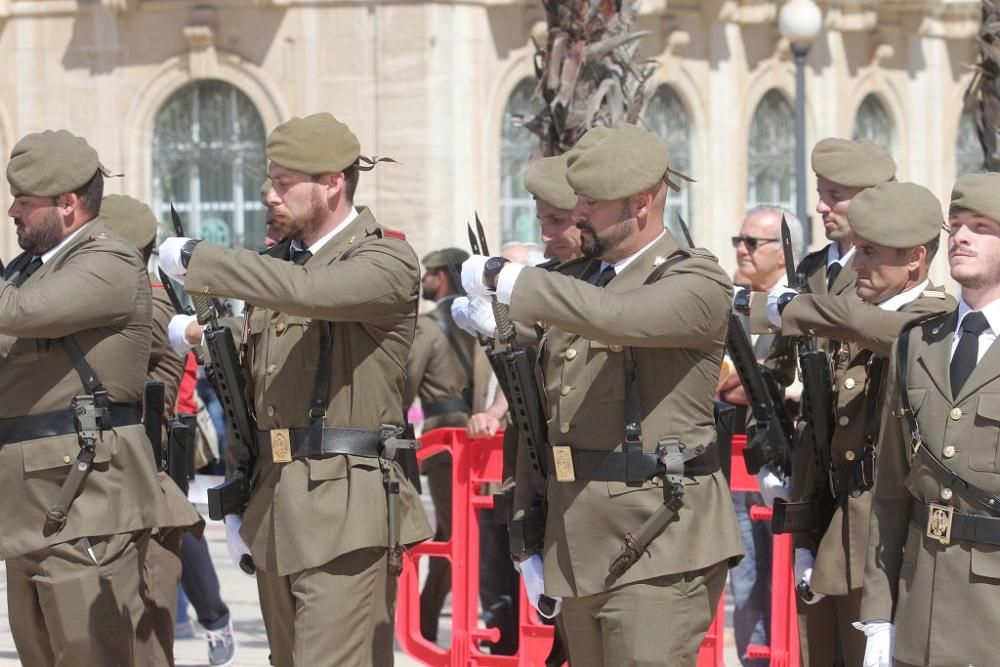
(677, 326)
(306, 513)
(858, 401)
(94, 289)
(943, 599)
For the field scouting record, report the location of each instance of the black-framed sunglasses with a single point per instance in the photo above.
(751, 241)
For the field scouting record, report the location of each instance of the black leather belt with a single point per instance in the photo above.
(60, 422)
(333, 440)
(617, 466)
(795, 517)
(445, 406)
(968, 527)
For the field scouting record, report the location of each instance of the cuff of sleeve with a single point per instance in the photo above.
(505, 281)
(176, 332)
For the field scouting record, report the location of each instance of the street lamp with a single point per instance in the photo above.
(799, 22)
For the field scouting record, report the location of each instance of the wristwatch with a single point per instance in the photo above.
(491, 272)
(186, 251)
(784, 300)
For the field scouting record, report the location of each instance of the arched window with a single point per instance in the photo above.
(872, 122)
(771, 154)
(208, 160)
(667, 117)
(968, 150)
(517, 148)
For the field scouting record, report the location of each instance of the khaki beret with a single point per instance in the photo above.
(51, 163)
(619, 163)
(314, 145)
(546, 180)
(897, 215)
(590, 138)
(130, 218)
(439, 259)
(979, 193)
(854, 164)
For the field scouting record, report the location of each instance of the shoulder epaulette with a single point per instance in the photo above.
(934, 294)
(702, 253)
(392, 233)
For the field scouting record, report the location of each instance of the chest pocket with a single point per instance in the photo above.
(983, 445)
(605, 374)
(29, 350)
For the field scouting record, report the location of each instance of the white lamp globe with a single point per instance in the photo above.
(800, 21)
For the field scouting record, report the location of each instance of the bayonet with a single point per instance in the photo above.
(685, 230)
(795, 281)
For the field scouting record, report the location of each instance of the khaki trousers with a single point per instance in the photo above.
(337, 615)
(826, 636)
(659, 621)
(161, 575)
(78, 604)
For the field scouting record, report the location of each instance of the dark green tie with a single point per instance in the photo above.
(300, 257)
(967, 351)
(604, 277)
(31, 267)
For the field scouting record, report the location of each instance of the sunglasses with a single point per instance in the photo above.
(751, 242)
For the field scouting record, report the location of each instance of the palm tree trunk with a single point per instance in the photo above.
(983, 94)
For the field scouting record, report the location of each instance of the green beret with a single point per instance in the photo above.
(979, 193)
(546, 180)
(590, 138)
(130, 218)
(265, 187)
(620, 163)
(897, 215)
(439, 259)
(51, 163)
(314, 145)
(853, 164)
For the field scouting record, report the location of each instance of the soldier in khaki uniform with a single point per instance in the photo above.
(932, 571)
(332, 311)
(666, 308)
(74, 330)
(892, 289)
(439, 370)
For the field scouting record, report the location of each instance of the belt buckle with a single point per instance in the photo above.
(562, 457)
(281, 445)
(939, 518)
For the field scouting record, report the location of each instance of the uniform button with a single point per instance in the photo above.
(946, 494)
(770, 330)
(849, 383)
(849, 456)
(948, 451)
(956, 414)
(571, 354)
(67, 459)
(844, 420)
(271, 410)
(271, 369)
(564, 427)
(565, 390)
(615, 348)
(280, 327)
(811, 332)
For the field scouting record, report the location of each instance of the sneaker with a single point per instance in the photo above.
(184, 630)
(221, 646)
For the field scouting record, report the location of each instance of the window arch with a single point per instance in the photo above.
(208, 160)
(517, 148)
(872, 122)
(968, 150)
(667, 118)
(771, 153)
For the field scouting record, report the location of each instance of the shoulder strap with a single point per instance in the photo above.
(456, 345)
(88, 376)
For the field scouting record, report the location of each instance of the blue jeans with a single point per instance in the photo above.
(751, 581)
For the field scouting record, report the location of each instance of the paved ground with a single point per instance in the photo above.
(240, 593)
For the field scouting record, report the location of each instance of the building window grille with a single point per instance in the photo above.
(667, 118)
(872, 122)
(771, 154)
(518, 146)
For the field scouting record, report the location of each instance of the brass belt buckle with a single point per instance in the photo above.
(281, 445)
(562, 456)
(939, 518)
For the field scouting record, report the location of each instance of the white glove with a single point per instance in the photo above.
(460, 313)
(534, 583)
(472, 275)
(481, 316)
(771, 486)
(772, 302)
(177, 332)
(238, 549)
(170, 257)
(881, 643)
(803, 573)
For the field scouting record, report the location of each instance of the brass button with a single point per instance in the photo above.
(811, 332)
(770, 330)
(946, 494)
(657, 481)
(571, 354)
(615, 348)
(956, 414)
(564, 427)
(271, 369)
(280, 327)
(849, 383)
(67, 459)
(565, 390)
(948, 451)
(204, 290)
(844, 420)
(849, 456)
(271, 410)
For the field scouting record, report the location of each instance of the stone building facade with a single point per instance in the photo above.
(179, 95)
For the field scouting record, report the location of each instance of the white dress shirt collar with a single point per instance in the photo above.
(904, 298)
(621, 264)
(46, 256)
(323, 240)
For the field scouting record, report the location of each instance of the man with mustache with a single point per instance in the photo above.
(933, 567)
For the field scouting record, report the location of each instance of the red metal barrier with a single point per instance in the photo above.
(479, 462)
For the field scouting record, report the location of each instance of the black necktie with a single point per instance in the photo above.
(30, 267)
(832, 272)
(967, 351)
(604, 277)
(300, 257)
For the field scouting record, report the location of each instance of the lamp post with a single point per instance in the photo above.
(799, 22)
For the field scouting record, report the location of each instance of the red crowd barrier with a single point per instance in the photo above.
(476, 463)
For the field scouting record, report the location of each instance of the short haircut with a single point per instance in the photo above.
(92, 192)
(351, 175)
(794, 224)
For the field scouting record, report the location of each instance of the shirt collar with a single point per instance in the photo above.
(621, 264)
(990, 310)
(323, 240)
(904, 298)
(46, 256)
(833, 255)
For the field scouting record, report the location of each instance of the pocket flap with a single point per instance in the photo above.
(985, 561)
(333, 467)
(60, 451)
(989, 406)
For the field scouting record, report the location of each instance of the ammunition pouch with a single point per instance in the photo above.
(853, 478)
(796, 517)
(230, 497)
(179, 446)
(153, 408)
